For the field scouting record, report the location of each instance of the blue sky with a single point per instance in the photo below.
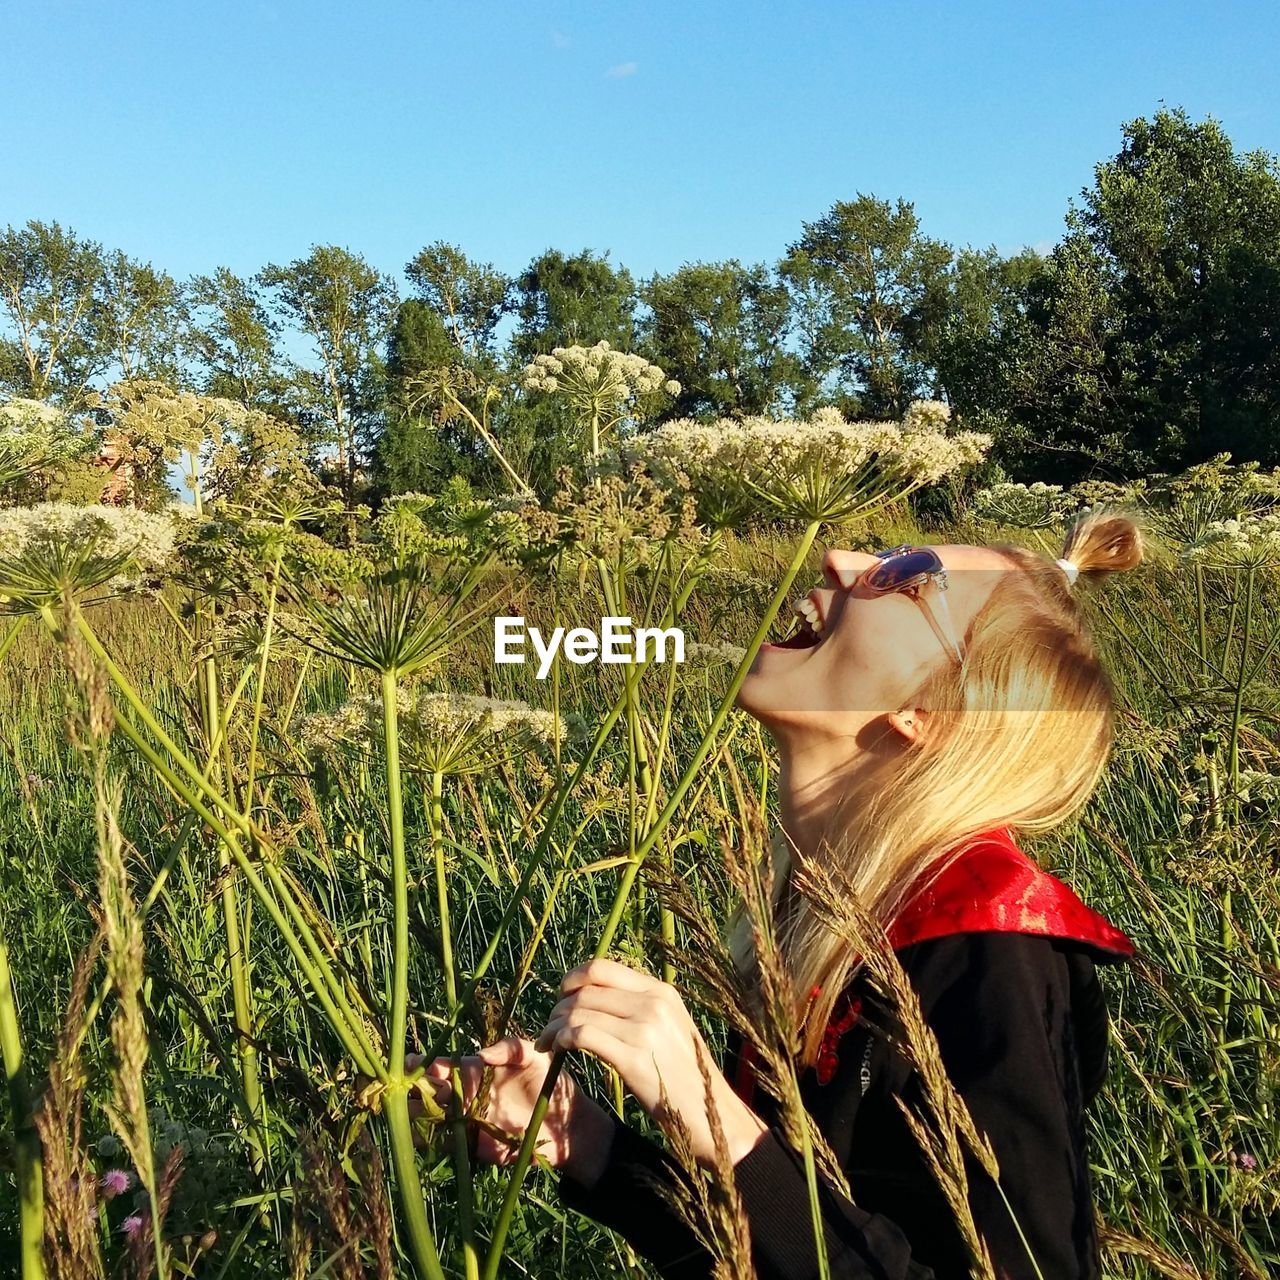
(201, 133)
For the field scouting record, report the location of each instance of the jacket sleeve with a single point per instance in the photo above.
(775, 1198)
(999, 1005)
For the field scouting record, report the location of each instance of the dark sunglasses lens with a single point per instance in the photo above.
(902, 568)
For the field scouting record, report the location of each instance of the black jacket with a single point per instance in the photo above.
(1021, 1025)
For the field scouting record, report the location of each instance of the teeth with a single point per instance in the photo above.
(806, 609)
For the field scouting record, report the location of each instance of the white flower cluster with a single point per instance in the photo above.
(699, 654)
(1024, 506)
(450, 732)
(821, 468)
(146, 537)
(926, 415)
(1251, 543)
(597, 371)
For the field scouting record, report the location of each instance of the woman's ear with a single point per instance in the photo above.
(909, 724)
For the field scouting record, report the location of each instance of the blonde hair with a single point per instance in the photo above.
(1018, 737)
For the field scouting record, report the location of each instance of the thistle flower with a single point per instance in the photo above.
(115, 1182)
(132, 1225)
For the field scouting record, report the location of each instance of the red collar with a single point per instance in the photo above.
(994, 887)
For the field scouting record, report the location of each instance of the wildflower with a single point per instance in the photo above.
(133, 1225)
(109, 1146)
(115, 1182)
(146, 538)
(1249, 543)
(447, 733)
(825, 468)
(54, 549)
(603, 386)
(1247, 1162)
(1023, 506)
(711, 655)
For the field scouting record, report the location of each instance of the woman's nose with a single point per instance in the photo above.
(842, 568)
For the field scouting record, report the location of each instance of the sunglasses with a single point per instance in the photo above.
(907, 569)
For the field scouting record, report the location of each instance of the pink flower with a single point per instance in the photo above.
(132, 1225)
(115, 1182)
(1248, 1162)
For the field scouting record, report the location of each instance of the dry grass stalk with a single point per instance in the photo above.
(710, 1205)
(1121, 1243)
(943, 1126)
(328, 1216)
(70, 1217)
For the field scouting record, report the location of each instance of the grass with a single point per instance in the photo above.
(1178, 847)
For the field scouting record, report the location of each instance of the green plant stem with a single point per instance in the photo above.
(340, 1019)
(396, 1106)
(457, 1117)
(237, 960)
(524, 1158)
(1233, 757)
(28, 1167)
(348, 1025)
(562, 795)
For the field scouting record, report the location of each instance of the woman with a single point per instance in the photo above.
(936, 700)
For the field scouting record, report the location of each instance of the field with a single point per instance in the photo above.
(292, 855)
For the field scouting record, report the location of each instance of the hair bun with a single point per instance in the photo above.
(1103, 542)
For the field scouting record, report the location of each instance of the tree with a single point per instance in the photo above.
(1190, 235)
(422, 446)
(346, 308)
(443, 344)
(582, 298)
(50, 290)
(720, 329)
(141, 314)
(470, 298)
(234, 338)
(859, 277)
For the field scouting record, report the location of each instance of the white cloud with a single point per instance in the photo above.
(622, 70)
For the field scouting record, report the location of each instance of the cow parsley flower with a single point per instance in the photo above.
(54, 549)
(1024, 506)
(602, 386)
(1250, 543)
(698, 654)
(440, 732)
(145, 537)
(823, 468)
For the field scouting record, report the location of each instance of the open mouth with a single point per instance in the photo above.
(808, 609)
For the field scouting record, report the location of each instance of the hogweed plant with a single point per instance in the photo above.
(304, 671)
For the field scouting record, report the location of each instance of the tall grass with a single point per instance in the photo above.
(328, 909)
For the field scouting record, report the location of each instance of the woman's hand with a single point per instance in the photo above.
(576, 1132)
(640, 1027)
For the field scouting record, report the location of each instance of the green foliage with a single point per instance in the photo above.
(720, 330)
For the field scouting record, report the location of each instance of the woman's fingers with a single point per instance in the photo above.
(512, 1051)
(614, 1000)
(607, 973)
(611, 1039)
